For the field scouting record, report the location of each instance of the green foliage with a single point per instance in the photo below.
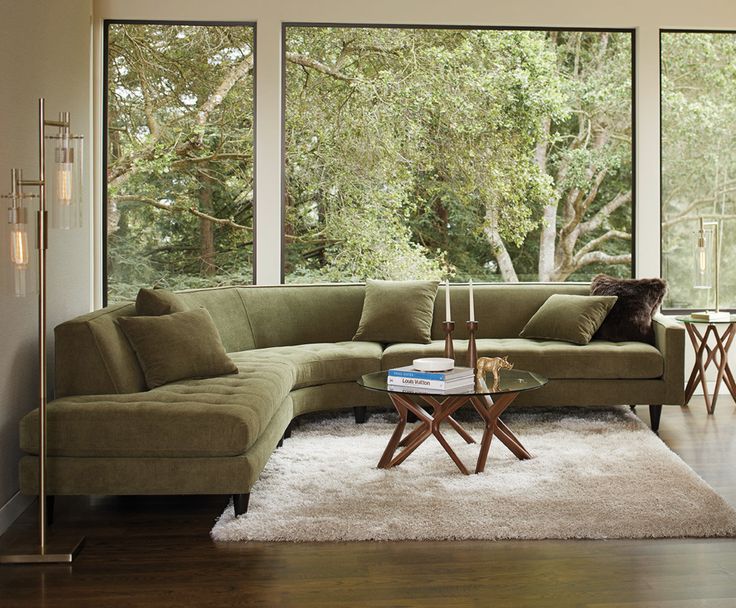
(698, 158)
(406, 147)
(180, 156)
(408, 151)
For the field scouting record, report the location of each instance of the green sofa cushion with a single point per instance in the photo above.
(228, 312)
(159, 475)
(316, 364)
(569, 318)
(156, 302)
(92, 356)
(209, 417)
(287, 315)
(501, 309)
(178, 345)
(397, 311)
(597, 359)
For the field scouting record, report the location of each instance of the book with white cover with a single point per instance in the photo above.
(431, 384)
(408, 371)
(462, 388)
(712, 315)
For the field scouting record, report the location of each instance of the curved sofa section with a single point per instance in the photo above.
(293, 349)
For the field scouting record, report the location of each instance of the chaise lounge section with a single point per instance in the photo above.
(294, 351)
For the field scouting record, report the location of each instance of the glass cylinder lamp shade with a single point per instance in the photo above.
(64, 180)
(19, 252)
(704, 260)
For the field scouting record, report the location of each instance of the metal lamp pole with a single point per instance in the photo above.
(55, 549)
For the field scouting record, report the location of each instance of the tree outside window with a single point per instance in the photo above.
(497, 155)
(179, 173)
(698, 108)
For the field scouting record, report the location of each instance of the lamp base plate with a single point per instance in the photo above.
(58, 550)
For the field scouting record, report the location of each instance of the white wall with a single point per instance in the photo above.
(44, 50)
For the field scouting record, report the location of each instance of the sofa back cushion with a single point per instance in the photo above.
(501, 309)
(228, 313)
(93, 356)
(283, 315)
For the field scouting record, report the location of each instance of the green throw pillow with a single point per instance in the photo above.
(569, 318)
(156, 302)
(397, 311)
(177, 346)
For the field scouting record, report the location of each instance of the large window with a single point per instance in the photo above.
(698, 159)
(496, 154)
(179, 156)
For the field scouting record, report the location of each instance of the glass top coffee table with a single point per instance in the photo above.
(489, 400)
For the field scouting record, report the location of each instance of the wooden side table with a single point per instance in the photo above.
(706, 355)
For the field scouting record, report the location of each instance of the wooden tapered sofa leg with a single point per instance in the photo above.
(361, 414)
(655, 413)
(240, 502)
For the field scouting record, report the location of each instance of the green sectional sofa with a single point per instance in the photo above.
(294, 351)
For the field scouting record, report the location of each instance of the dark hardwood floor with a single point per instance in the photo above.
(155, 551)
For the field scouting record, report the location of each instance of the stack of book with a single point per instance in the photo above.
(712, 315)
(458, 379)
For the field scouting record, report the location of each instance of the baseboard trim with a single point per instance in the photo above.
(12, 509)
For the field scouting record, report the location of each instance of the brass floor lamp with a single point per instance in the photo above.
(66, 185)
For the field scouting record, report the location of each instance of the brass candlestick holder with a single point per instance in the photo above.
(449, 327)
(472, 349)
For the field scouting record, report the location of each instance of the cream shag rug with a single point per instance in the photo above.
(595, 474)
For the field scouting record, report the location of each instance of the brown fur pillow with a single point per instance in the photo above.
(631, 315)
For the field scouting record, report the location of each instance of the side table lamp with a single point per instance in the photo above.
(707, 252)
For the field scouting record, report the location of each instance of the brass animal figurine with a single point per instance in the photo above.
(491, 365)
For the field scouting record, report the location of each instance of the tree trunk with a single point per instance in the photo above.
(505, 265)
(548, 233)
(503, 259)
(322, 244)
(206, 228)
(547, 239)
(288, 230)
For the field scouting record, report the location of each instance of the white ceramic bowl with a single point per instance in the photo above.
(433, 364)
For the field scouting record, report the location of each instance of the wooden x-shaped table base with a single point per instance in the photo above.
(705, 355)
(429, 424)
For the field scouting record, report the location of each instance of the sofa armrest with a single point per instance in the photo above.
(669, 338)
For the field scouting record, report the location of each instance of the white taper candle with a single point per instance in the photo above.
(472, 302)
(448, 314)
